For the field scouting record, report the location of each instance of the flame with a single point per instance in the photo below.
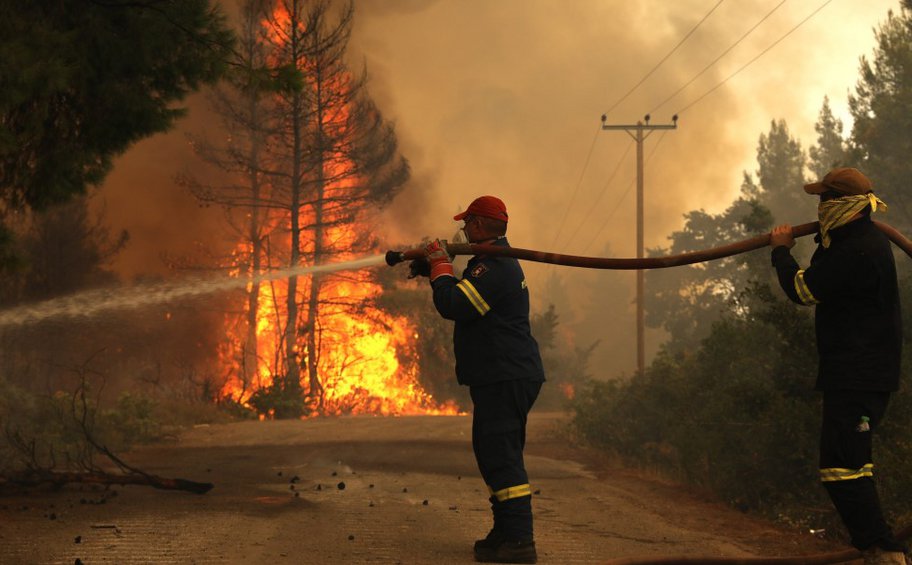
(366, 358)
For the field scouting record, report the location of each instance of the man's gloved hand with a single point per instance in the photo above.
(440, 261)
(419, 268)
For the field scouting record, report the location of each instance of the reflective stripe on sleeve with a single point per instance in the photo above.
(511, 492)
(474, 297)
(804, 293)
(836, 474)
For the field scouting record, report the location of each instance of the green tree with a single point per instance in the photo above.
(830, 150)
(781, 162)
(685, 301)
(67, 249)
(880, 139)
(81, 81)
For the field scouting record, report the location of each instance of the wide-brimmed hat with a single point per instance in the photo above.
(486, 206)
(844, 180)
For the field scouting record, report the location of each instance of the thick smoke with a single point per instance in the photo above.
(504, 97)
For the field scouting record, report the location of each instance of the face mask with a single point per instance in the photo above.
(840, 211)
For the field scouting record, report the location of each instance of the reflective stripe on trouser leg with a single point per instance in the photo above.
(838, 474)
(498, 437)
(508, 493)
(846, 463)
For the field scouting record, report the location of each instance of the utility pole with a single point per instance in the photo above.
(639, 133)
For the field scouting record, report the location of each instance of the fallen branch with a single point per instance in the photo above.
(80, 464)
(34, 478)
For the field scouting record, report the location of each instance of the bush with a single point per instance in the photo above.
(278, 400)
(57, 432)
(739, 417)
(735, 416)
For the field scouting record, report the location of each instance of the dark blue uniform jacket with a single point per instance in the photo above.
(858, 319)
(492, 338)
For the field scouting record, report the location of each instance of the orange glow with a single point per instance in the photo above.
(365, 357)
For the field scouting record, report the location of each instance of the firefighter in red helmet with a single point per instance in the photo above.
(498, 359)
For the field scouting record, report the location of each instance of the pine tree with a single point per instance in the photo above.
(686, 301)
(243, 101)
(314, 158)
(830, 150)
(781, 177)
(82, 81)
(880, 139)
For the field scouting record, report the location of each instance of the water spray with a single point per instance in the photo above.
(395, 257)
(92, 302)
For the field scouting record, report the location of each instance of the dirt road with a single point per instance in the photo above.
(369, 490)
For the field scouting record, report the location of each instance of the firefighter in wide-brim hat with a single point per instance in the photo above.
(851, 281)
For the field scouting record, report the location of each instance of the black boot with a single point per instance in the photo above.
(491, 550)
(489, 542)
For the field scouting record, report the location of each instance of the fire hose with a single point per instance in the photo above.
(757, 242)
(814, 559)
(842, 556)
(395, 257)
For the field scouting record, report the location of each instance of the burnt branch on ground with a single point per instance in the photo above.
(39, 462)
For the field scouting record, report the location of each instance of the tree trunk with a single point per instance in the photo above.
(313, 310)
(292, 365)
(251, 346)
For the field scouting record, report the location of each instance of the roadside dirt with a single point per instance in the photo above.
(371, 490)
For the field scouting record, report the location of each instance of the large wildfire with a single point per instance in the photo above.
(349, 356)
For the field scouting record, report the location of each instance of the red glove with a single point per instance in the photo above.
(439, 259)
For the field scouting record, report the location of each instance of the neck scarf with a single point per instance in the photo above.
(839, 211)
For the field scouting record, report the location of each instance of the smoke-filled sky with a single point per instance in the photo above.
(504, 97)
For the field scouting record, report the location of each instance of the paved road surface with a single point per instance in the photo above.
(411, 494)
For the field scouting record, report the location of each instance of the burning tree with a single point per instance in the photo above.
(248, 116)
(315, 160)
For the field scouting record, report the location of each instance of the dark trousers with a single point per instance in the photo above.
(846, 464)
(498, 438)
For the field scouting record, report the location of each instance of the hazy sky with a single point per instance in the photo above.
(504, 97)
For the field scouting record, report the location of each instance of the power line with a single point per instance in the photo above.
(716, 60)
(617, 167)
(560, 227)
(665, 58)
(623, 196)
(624, 97)
(729, 77)
(767, 49)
